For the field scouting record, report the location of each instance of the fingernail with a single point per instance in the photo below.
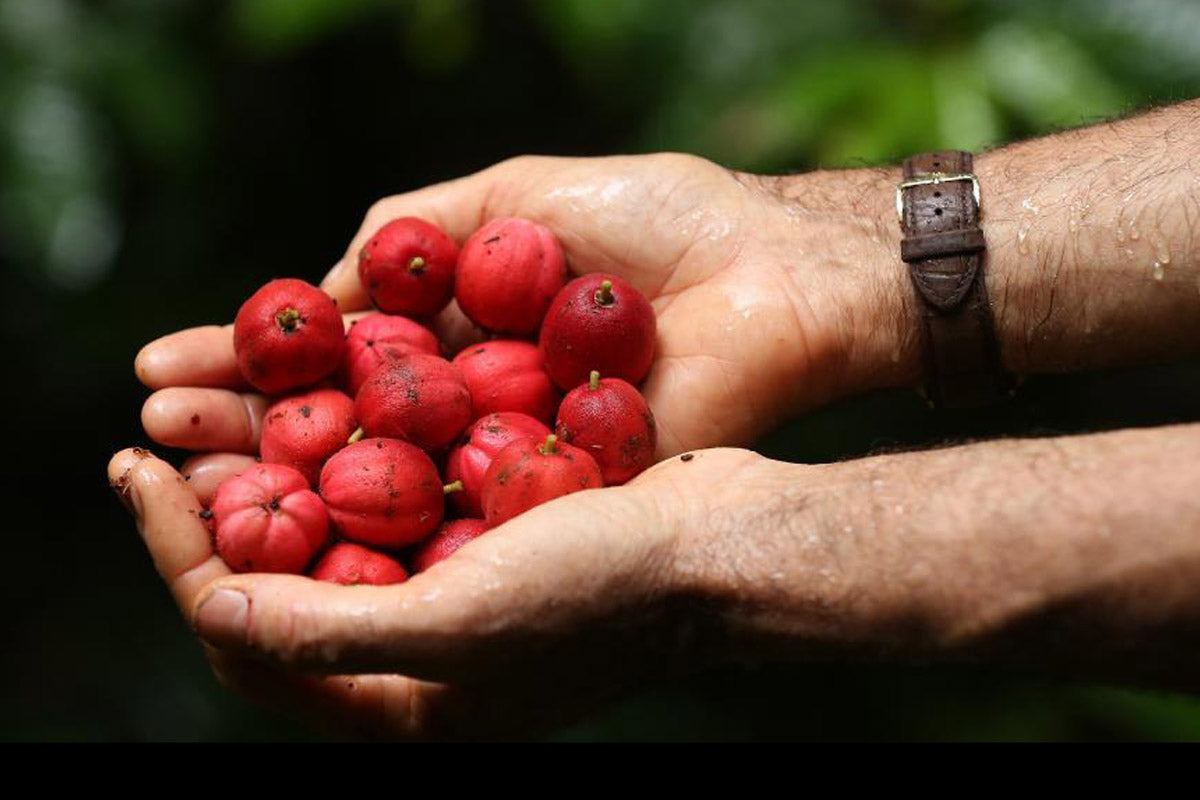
(332, 272)
(221, 618)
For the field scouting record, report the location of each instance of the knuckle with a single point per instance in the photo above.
(681, 162)
(295, 634)
(521, 163)
(378, 213)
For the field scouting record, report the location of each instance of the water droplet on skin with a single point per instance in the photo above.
(1162, 252)
(1028, 205)
(1120, 233)
(1022, 247)
(1134, 235)
(1158, 271)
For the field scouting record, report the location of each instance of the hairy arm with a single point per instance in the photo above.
(1076, 555)
(1093, 250)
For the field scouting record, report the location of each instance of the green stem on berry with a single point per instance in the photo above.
(594, 379)
(604, 295)
(288, 319)
(451, 488)
(354, 437)
(416, 265)
(550, 446)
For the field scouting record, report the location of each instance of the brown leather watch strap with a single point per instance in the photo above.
(944, 248)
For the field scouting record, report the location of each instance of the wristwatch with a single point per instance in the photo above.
(938, 205)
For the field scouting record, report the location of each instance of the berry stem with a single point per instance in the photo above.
(451, 488)
(288, 319)
(594, 379)
(358, 434)
(550, 446)
(604, 295)
(417, 265)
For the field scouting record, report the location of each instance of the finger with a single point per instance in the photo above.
(458, 207)
(551, 569)
(207, 471)
(196, 357)
(448, 205)
(401, 708)
(376, 706)
(167, 512)
(455, 331)
(205, 419)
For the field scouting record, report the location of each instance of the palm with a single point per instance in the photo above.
(733, 333)
(688, 234)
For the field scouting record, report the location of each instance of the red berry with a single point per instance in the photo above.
(352, 564)
(508, 272)
(383, 492)
(303, 431)
(508, 376)
(420, 399)
(609, 419)
(288, 335)
(528, 473)
(407, 267)
(376, 338)
(268, 520)
(449, 537)
(485, 438)
(598, 322)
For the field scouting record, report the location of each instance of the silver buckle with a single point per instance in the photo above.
(934, 178)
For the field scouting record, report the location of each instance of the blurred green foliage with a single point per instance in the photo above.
(760, 84)
(93, 91)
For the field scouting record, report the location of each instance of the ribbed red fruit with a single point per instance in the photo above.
(383, 492)
(609, 419)
(528, 473)
(508, 376)
(598, 322)
(420, 399)
(268, 520)
(451, 536)
(407, 267)
(469, 461)
(352, 564)
(304, 430)
(508, 272)
(377, 338)
(288, 335)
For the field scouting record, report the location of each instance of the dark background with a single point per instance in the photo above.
(159, 159)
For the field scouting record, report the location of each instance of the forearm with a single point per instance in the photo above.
(1078, 554)
(1093, 254)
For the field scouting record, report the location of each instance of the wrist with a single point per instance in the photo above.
(764, 560)
(841, 225)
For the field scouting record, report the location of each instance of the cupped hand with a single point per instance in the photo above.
(769, 301)
(767, 292)
(553, 613)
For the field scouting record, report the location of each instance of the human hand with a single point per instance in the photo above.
(765, 306)
(553, 613)
(771, 294)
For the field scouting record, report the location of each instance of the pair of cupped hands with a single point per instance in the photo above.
(579, 599)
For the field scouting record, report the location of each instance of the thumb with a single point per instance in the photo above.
(532, 583)
(458, 207)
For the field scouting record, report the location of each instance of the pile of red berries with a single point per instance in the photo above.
(372, 430)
